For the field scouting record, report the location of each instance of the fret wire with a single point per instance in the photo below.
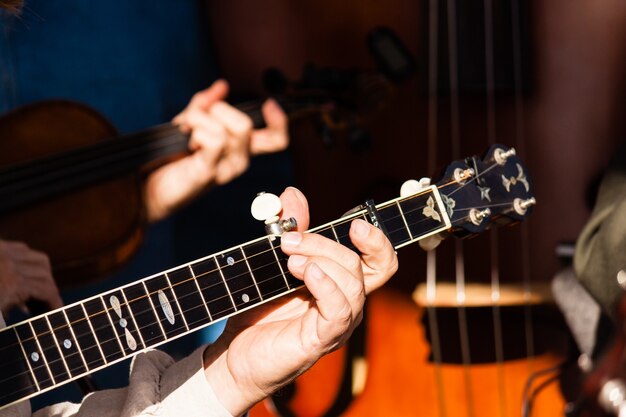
(43, 356)
(78, 347)
(342, 221)
(278, 261)
(206, 306)
(404, 220)
(112, 324)
(106, 310)
(95, 336)
(132, 316)
(225, 284)
(182, 314)
(186, 292)
(154, 309)
(222, 276)
(251, 273)
(282, 272)
(157, 286)
(259, 301)
(56, 342)
(130, 355)
(332, 227)
(32, 373)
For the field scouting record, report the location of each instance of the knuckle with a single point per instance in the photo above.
(244, 162)
(353, 261)
(344, 317)
(241, 126)
(378, 240)
(219, 131)
(354, 289)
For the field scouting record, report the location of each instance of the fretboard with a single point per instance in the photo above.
(52, 349)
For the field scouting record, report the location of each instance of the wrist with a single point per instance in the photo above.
(231, 393)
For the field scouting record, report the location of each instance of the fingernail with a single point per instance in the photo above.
(315, 271)
(361, 227)
(297, 260)
(291, 239)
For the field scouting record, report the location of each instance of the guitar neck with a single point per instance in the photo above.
(52, 349)
(33, 181)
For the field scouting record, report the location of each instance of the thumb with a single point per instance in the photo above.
(275, 136)
(295, 205)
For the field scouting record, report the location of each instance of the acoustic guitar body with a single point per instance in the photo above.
(87, 231)
(403, 380)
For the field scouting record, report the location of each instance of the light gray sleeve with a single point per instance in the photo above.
(158, 386)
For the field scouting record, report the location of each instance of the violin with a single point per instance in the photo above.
(70, 186)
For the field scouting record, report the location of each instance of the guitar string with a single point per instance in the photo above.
(323, 228)
(338, 223)
(455, 142)
(63, 357)
(520, 140)
(431, 255)
(108, 150)
(111, 162)
(493, 233)
(106, 310)
(121, 358)
(215, 256)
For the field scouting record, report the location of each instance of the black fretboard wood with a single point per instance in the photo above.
(271, 280)
(36, 359)
(167, 309)
(144, 313)
(65, 340)
(239, 281)
(102, 326)
(190, 300)
(84, 336)
(396, 226)
(50, 349)
(16, 377)
(213, 288)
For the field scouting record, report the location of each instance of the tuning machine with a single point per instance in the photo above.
(411, 187)
(266, 207)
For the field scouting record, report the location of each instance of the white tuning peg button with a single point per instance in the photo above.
(411, 187)
(266, 207)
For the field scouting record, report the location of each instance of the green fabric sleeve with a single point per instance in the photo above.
(601, 247)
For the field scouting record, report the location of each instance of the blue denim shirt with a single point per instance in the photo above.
(137, 62)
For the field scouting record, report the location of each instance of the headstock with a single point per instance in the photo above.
(480, 191)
